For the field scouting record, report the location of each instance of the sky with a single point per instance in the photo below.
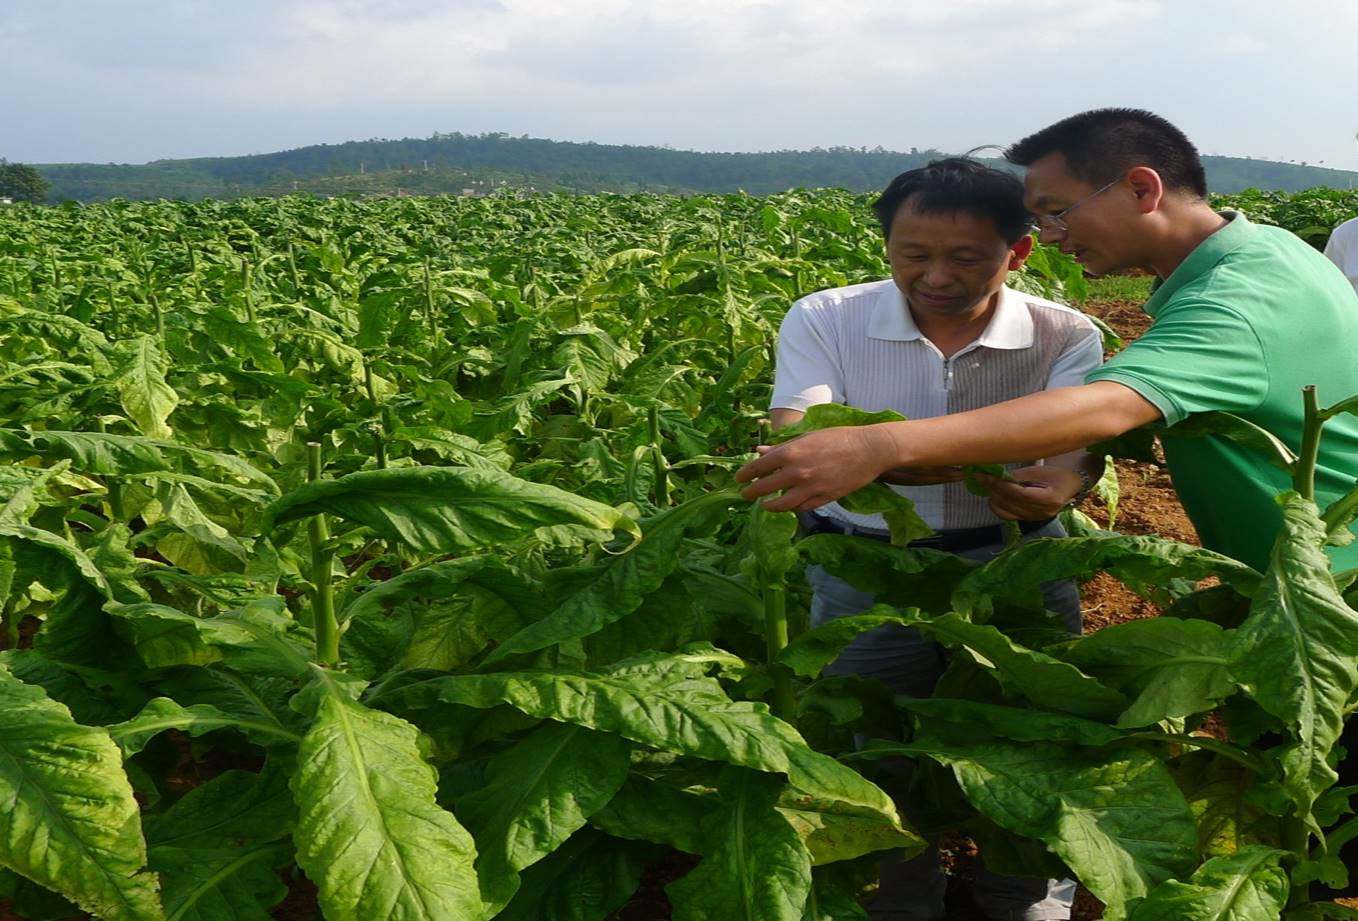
(138, 80)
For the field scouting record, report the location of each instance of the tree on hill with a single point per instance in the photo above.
(22, 183)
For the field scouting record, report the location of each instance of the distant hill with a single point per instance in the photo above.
(452, 163)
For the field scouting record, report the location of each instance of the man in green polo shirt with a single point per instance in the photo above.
(1245, 316)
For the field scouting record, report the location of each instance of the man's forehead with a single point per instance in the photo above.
(955, 229)
(1048, 182)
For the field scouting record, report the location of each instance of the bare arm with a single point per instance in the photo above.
(823, 466)
(1046, 424)
(782, 418)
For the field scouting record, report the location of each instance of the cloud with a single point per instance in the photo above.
(121, 80)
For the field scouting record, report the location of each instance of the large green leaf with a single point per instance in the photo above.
(772, 555)
(202, 546)
(665, 701)
(1175, 667)
(95, 697)
(249, 698)
(162, 714)
(1010, 722)
(914, 578)
(514, 412)
(832, 415)
(832, 834)
(235, 806)
(618, 587)
(453, 509)
(437, 616)
(221, 884)
(1115, 816)
(1249, 885)
(755, 866)
(649, 810)
(1220, 793)
(902, 520)
(70, 822)
(139, 379)
(1047, 682)
(540, 792)
(1297, 654)
(586, 879)
(899, 512)
(809, 653)
(369, 833)
(832, 897)
(1151, 566)
(75, 631)
(257, 638)
(125, 455)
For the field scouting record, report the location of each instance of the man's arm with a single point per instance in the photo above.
(820, 467)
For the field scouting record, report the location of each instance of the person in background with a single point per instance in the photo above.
(943, 335)
(1342, 250)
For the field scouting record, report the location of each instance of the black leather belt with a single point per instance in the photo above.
(950, 541)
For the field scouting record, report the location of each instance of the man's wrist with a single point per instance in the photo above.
(888, 449)
(1087, 482)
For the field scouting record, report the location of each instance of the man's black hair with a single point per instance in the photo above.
(1102, 144)
(958, 185)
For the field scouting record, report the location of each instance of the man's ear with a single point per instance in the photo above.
(1020, 251)
(1148, 189)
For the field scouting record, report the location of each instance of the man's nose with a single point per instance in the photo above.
(938, 275)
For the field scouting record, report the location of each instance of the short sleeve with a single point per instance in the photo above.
(1197, 357)
(808, 371)
(1081, 357)
(1342, 250)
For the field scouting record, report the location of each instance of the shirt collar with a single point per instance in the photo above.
(1011, 326)
(1203, 258)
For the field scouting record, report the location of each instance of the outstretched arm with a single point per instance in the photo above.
(820, 467)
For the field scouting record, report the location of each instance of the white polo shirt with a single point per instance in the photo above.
(1342, 250)
(860, 346)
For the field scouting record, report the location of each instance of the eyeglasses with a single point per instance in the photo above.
(1056, 223)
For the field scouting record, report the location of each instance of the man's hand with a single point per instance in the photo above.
(816, 468)
(1038, 493)
(922, 476)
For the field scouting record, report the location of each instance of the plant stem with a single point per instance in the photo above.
(117, 510)
(292, 265)
(1304, 473)
(380, 430)
(429, 315)
(323, 594)
(658, 465)
(775, 636)
(1297, 840)
(247, 284)
(160, 315)
(112, 308)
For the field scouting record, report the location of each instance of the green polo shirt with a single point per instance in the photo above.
(1251, 317)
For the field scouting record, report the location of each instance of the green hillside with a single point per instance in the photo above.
(450, 163)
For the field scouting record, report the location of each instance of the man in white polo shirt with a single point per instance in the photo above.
(943, 335)
(1342, 250)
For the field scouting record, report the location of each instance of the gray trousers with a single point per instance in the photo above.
(910, 664)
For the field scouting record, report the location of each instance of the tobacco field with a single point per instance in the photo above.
(387, 555)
